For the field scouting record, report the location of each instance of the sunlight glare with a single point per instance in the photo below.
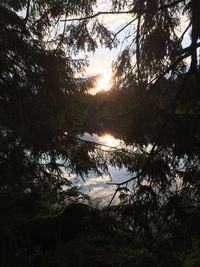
(109, 140)
(104, 82)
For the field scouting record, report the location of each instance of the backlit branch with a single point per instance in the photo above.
(99, 14)
(123, 28)
(122, 12)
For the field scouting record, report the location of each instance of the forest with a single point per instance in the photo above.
(152, 216)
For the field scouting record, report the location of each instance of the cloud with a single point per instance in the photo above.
(104, 195)
(92, 138)
(98, 180)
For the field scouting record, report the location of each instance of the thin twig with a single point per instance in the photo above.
(26, 18)
(114, 196)
(123, 28)
(122, 150)
(122, 12)
(98, 14)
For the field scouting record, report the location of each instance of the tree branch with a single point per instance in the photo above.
(121, 12)
(27, 13)
(99, 14)
(138, 50)
(129, 23)
(26, 18)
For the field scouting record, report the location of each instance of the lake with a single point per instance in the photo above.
(97, 187)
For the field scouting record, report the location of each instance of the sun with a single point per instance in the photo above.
(108, 140)
(104, 82)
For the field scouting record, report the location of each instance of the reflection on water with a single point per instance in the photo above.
(109, 140)
(104, 140)
(97, 187)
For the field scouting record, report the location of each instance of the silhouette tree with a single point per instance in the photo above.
(40, 119)
(40, 99)
(42, 107)
(157, 99)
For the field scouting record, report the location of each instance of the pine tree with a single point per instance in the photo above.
(42, 102)
(40, 118)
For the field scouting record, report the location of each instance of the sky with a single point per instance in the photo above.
(101, 61)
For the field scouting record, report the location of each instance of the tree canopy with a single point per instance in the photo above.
(153, 106)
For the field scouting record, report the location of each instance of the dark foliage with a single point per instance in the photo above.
(43, 108)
